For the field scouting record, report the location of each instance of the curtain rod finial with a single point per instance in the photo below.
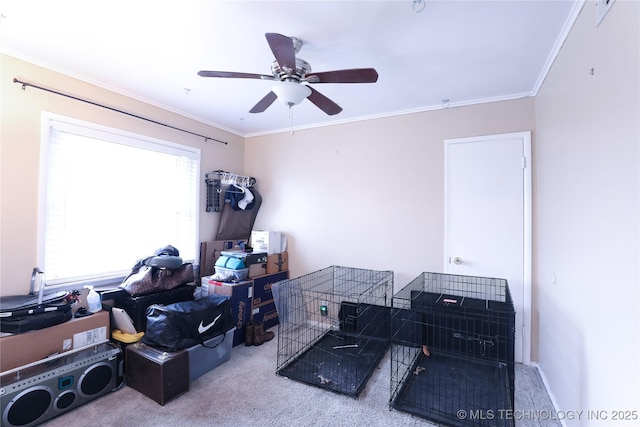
(24, 85)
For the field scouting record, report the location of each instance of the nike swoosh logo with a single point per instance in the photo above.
(204, 328)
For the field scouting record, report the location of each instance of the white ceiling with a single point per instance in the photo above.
(462, 51)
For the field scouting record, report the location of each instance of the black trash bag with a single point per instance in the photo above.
(181, 325)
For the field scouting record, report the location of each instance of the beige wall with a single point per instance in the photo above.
(587, 187)
(369, 194)
(20, 151)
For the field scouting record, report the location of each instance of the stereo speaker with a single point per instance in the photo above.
(37, 392)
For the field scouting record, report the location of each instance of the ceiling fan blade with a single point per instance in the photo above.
(323, 103)
(264, 103)
(354, 75)
(283, 49)
(234, 75)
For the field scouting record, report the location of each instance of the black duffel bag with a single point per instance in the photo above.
(181, 325)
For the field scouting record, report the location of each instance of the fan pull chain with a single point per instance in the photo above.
(291, 118)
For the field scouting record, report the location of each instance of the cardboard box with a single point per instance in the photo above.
(272, 242)
(214, 352)
(241, 296)
(266, 314)
(256, 270)
(21, 349)
(262, 293)
(157, 374)
(210, 252)
(277, 262)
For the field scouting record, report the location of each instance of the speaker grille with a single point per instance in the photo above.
(95, 379)
(28, 406)
(64, 400)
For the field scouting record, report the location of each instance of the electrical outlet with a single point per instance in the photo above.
(602, 7)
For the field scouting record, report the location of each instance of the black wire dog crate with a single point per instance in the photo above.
(452, 350)
(334, 327)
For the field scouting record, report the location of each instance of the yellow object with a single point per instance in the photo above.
(118, 335)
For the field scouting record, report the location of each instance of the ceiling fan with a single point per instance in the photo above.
(293, 76)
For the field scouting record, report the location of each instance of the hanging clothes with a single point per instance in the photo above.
(247, 203)
(233, 195)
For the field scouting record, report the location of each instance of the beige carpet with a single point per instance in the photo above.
(245, 391)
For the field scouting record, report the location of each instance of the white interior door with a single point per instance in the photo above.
(488, 218)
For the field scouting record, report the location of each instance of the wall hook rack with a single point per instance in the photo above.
(216, 180)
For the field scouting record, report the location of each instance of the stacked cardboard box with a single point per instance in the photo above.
(277, 263)
(241, 295)
(263, 307)
(250, 300)
(272, 242)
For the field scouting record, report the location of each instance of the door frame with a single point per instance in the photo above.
(525, 136)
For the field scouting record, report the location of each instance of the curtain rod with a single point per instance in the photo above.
(25, 84)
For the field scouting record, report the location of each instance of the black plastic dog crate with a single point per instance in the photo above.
(334, 327)
(452, 350)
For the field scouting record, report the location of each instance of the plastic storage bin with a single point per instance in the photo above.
(214, 352)
(227, 273)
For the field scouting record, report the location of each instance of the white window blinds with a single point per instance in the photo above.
(109, 198)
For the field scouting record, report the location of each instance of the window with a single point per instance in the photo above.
(109, 198)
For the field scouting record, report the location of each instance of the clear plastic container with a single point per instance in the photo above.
(227, 273)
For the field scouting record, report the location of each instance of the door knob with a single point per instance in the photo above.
(457, 260)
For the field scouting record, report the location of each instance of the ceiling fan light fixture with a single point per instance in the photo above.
(291, 93)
